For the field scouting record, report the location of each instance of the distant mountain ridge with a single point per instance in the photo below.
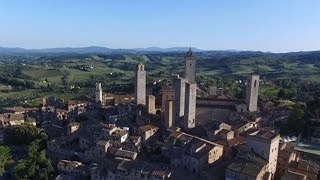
(94, 49)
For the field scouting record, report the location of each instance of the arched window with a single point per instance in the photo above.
(255, 83)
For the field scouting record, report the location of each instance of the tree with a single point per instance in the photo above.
(22, 135)
(281, 94)
(5, 155)
(36, 165)
(296, 120)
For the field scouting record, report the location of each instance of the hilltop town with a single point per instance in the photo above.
(183, 132)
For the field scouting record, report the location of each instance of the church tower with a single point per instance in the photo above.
(252, 92)
(98, 93)
(140, 85)
(190, 68)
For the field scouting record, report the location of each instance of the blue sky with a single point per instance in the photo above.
(266, 25)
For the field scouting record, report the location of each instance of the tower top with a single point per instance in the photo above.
(140, 67)
(190, 53)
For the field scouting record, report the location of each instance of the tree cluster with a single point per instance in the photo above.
(5, 155)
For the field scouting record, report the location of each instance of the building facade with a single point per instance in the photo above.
(266, 144)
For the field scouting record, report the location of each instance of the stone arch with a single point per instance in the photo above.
(158, 112)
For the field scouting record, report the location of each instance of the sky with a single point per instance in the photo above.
(264, 25)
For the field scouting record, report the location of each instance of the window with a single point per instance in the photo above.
(255, 83)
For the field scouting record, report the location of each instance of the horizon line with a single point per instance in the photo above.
(137, 48)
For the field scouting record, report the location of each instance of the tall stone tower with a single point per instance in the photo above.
(168, 114)
(190, 106)
(179, 85)
(140, 85)
(167, 94)
(98, 93)
(151, 104)
(252, 92)
(190, 68)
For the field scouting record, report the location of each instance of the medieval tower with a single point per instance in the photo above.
(252, 92)
(190, 68)
(98, 93)
(179, 85)
(140, 85)
(151, 104)
(168, 114)
(190, 106)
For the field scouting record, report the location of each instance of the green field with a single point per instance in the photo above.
(55, 74)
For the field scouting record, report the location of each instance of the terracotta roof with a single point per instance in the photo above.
(148, 127)
(175, 134)
(293, 176)
(223, 132)
(232, 142)
(266, 135)
(126, 154)
(69, 163)
(102, 143)
(120, 133)
(246, 167)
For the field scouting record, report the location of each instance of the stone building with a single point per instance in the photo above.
(265, 144)
(245, 170)
(179, 85)
(151, 104)
(147, 131)
(190, 152)
(168, 93)
(190, 106)
(98, 93)
(213, 91)
(140, 85)
(252, 92)
(286, 155)
(168, 114)
(72, 128)
(190, 68)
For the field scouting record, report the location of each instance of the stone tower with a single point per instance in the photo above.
(140, 85)
(179, 85)
(168, 114)
(252, 92)
(190, 106)
(167, 94)
(151, 104)
(190, 68)
(98, 93)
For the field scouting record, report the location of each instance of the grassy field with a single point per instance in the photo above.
(65, 70)
(41, 74)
